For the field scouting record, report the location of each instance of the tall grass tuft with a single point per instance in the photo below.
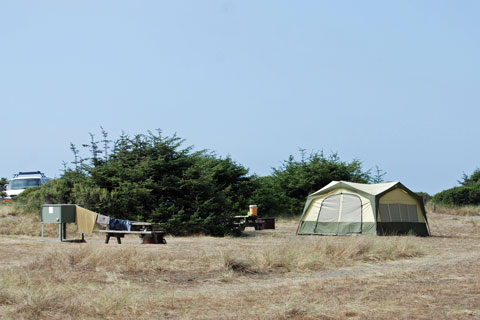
(315, 253)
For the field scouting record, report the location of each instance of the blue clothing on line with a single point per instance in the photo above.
(119, 224)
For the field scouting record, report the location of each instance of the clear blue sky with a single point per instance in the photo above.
(392, 83)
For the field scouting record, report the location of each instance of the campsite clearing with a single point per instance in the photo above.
(268, 275)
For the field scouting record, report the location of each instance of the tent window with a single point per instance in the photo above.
(330, 209)
(398, 212)
(403, 212)
(384, 213)
(412, 213)
(351, 209)
(395, 213)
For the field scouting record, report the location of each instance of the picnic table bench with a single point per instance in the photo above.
(145, 230)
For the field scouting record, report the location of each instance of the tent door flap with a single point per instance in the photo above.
(340, 214)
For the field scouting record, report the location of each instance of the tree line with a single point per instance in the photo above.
(155, 178)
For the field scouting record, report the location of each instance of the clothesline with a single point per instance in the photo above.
(86, 220)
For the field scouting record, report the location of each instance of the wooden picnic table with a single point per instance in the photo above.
(146, 231)
(240, 222)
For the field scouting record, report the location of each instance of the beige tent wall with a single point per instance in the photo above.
(313, 210)
(399, 196)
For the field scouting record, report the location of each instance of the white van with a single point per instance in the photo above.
(22, 181)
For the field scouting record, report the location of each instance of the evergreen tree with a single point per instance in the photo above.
(291, 183)
(470, 181)
(153, 178)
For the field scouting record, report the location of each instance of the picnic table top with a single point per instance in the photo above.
(134, 232)
(139, 223)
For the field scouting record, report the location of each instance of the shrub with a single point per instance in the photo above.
(3, 182)
(458, 196)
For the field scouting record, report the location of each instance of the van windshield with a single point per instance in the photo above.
(24, 184)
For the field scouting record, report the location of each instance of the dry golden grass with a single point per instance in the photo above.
(262, 275)
(453, 210)
(314, 253)
(13, 222)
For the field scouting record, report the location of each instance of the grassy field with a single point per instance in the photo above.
(270, 274)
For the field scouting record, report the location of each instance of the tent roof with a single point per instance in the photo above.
(373, 189)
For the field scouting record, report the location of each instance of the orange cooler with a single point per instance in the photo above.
(253, 210)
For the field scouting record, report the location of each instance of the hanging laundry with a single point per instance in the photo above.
(103, 220)
(119, 224)
(85, 220)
